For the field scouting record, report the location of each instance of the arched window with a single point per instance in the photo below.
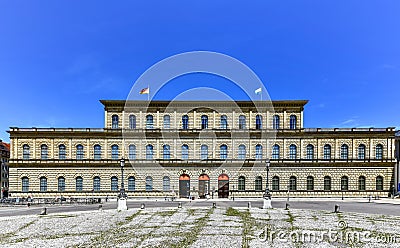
(275, 183)
(96, 183)
(79, 152)
(361, 151)
(132, 151)
(131, 183)
(242, 122)
(114, 121)
(61, 184)
(259, 151)
(327, 151)
(242, 152)
(379, 152)
(185, 122)
(293, 122)
(149, 152)
(292, 151)
(204, 152)
(43, 184)
(223, 152)
(149, 122)
(224, 122)
(258, 122)
(132, 122)
(114, 183)
(149, 184)
(185, 152)
(97, 152)
(166, 183)
(344, 183)
(258, 183)
(166, 152)
(79, 184)
(61, 152)
(327, 183)
(276, 122)
(310, 183)
(25, 184)
(275, 152)
(167, 122)
(379, 183)
(292, 183)
(204, 121)
(26, 151)
(361, 183)
(344, 152)
(310, 151)
(114, 152)
(241, 183)
(43, 152)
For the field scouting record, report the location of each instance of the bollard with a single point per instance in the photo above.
(249, 205)
(100, 207)
(287, 206)
(142, 206)
(337, 207)
(180, 205)
(44, 211)
(214, 205)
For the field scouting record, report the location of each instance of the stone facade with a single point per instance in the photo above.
(4, 157)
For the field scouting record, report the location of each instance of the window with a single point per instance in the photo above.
(149, 122)
(204, 121)
(96, 183)
(310, 151)
(167, 122)
(149, 152)
(185, 122)
(79, 184)
(292, 151)
(79, 152)
(114, 122)
(223, 152)
(132, 122)
(379, 152)
(224, 122)
(293, 122)
(61, 152)
(204, 152)
(43, 184)
(259, 151)
(292, 183)
(132, 151)
(61, 184)
(114, 152)
(276, 122)
(166, 183)
(344, 151)
(379, 183)
(361, 183)
(242, 152)
(310, 183)
(241, 183)
(114, 184)
(25, 184)
(166, 152)
(275, 183)
(327, 183)
(97, 152)
(344, 183)
(327, 151)
(275, 152)
(258, 122)
(242, 122)
(43, 152)
(258, 183)
(361, 151)
(185, 152)
(26, 151)
(149, 184)
(131, 183)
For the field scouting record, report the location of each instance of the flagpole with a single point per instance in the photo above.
(261, 93)
(148, 95)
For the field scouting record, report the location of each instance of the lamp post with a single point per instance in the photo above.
(122, 195)
(267, 194)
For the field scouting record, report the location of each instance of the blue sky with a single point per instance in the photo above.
(58, 58)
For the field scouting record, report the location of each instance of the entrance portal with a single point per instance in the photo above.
(204, 185)
(223, 186)
(184, 186)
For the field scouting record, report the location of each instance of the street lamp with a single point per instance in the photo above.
(267, 194)
(122, 195)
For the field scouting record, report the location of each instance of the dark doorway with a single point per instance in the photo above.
(223, 186)
(204, 186)
(184, 186)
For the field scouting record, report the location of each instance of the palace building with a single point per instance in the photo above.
(202, 149)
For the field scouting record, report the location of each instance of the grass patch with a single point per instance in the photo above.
(190, 211)
(167, 213)
(232, 212)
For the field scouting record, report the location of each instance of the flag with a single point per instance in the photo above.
(258, 91)
(145, 91)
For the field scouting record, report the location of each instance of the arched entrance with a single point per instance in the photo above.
(204, 185)
(223, 186)
(184, 185)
